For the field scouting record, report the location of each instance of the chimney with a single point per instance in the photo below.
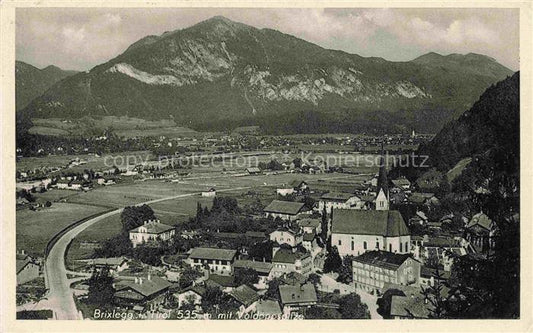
(149, 277)
(140, 280)
(136, 280)
(22, 252)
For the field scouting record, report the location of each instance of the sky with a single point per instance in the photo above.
(81, 38)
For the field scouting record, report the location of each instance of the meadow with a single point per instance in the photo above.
(35, 228)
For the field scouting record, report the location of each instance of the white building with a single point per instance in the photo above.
(219, 261)
(354, 232)
(333, 200)
(209, 193)
(287, 235)
(151, 231)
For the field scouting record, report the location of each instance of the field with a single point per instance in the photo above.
(123, 126)
(94, 162)
(228, 178)
(35, 228)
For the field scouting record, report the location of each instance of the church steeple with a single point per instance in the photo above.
(382, 199)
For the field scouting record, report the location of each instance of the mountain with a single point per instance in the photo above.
(221, 74)
(492, 124)
(31, 82)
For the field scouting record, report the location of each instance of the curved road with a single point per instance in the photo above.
(60, 297)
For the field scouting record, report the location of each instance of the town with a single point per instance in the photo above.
(338, 241)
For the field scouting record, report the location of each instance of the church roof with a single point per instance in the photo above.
(388, 223)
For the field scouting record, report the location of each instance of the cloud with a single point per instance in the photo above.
(80, 38)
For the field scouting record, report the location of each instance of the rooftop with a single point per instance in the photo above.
(297, 294)
(410, 307)
(383, 259)
(308, 222)
(284, 207)
(480, 219)
(146, 286)
(244, 295)
(212, 253)
(287, 256)
(258, 266)
(388, 223)
(337, 196)
(154, 227)
(268, 307)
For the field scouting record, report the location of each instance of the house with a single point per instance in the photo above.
(284, 191)
(151, 231)
(115, 265)
(481, 232)
(310, 225)
(286, 210)
(27, 268)
(337, 200)
(413, 303)
(300, 186)
(297, 297)
(309, 241)
(419, 198)
(292, 236)
(224, 282)
(354, 232)
(428, 276)
(246, 297)
(209, 193)
(441, 250)
(268, 309)
(373, 269)
(262, 268)
(141, 291)
(63, 184)
(76, 185)
(286, 260)
(219, 261)
(191, 295)
(401, 183)
(253, 171)
(407, 307)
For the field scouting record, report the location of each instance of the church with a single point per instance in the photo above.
(354, 232)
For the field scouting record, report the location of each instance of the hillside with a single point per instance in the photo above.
(222, 74)
(32, 82)
(492, 123)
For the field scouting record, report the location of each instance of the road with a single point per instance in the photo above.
(60, 297)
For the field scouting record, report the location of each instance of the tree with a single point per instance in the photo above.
(434, 296)
(274, 165)
(324, 225)
(308, 202)
(273, 289)
(134, 216)
(346, 271)
(351, 307)
(314, 279)
(261, 250)
(101, 289)
(48, 204)
(247, 276)
(188, 276)
(333, 261)
(316, 312)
